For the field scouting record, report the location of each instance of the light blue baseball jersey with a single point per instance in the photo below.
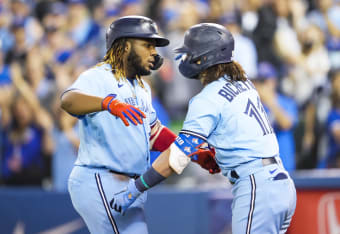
(104, 139)
(232, 119)
(106, 143)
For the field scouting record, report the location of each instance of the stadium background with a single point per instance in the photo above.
(45, 45)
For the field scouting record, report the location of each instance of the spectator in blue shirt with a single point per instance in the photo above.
(332, 158)
(26, 139)
(281, 110)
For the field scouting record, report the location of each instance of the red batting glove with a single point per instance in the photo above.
(122, 110)
(206, 159)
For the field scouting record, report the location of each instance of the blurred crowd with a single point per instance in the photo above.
(290, 49)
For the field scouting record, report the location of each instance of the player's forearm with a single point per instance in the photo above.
(159, 171)
(77, 103)
(161, 164)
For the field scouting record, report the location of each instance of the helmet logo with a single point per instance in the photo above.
(148, 26)
(184, 56)
(155, 27)
(232, 55)
(181, 57)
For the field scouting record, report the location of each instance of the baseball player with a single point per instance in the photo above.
(226, 115)
(107, 98)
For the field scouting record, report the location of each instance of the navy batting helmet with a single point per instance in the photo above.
(205, 45)
(134, 27)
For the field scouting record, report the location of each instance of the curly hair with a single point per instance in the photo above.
(232, 69)
(114, 57)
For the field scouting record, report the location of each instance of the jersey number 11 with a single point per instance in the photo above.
(260, 115)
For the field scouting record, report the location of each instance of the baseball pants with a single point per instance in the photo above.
(91, 190)
(264, 202)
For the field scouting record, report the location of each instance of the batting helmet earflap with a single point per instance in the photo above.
(134, 27)
(207, 43)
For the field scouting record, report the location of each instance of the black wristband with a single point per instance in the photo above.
(149, 179)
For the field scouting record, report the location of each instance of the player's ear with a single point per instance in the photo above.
(128, 46)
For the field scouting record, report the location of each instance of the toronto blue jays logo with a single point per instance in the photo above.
(195, 141)
(130, 101)
(179, 141)
(143, 106)
(187, 149)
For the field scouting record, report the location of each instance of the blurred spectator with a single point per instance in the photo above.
(6, 94)
(306, 82)
(249, 14)
(333, 42)
(318, 16)
(81, 27)
(178, 90)
(19, 51)
(264, 32)
(217, 8)
(132, 7)
(66, 147)
(5, 77)
(243, 45)
(22, 14)
(55, 16)
(285, 31)
(26, 141)
(38, 78)
(312, 69)
(332, 159)
(22, 156)
(327, 17)
(282, 112)
(57, 47)
(6, 38)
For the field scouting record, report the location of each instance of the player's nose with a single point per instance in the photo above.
(153, 51)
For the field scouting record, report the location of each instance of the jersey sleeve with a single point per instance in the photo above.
(88, 83)
(203, 116)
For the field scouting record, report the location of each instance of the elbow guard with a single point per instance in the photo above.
(189, 147)
(177, 159)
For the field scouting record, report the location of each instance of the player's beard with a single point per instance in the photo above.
(135, 64)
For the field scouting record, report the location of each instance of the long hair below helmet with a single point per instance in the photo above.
(114, 57)
(233, 70)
